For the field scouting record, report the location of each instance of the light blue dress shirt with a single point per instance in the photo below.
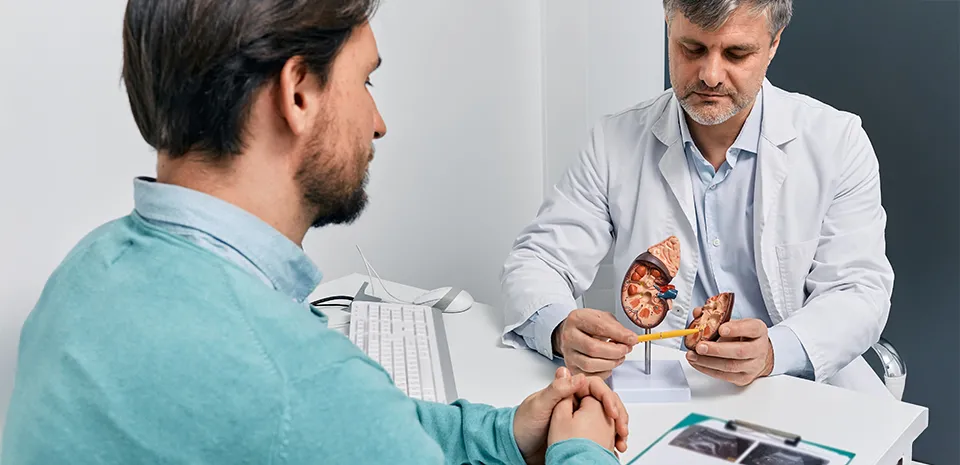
(229, 232)
(724, 206)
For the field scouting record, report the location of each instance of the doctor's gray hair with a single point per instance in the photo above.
(712, 14)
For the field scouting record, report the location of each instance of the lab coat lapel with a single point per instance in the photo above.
(673, 164)
(773, 168)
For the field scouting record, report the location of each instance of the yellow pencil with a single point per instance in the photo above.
(667, 334)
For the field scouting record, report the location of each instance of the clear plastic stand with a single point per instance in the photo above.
(660, 381)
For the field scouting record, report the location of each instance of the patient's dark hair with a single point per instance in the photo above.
(191, 67)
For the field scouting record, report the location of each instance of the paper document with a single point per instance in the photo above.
(702, 440)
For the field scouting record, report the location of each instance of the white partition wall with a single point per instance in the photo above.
(599, 58)
(485, 102)
(460, 169)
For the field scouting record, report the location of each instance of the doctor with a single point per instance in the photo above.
(773, 195)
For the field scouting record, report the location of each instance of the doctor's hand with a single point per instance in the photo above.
(593, 342)
(532, 421)
(741, 355)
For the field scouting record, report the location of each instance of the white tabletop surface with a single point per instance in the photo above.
(878, 429)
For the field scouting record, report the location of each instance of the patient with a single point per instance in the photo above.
(180, 333)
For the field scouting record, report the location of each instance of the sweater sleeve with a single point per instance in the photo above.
(471, 433)
(579, 452)
(352, 413)
(474, 433)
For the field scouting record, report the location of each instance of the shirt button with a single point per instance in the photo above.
(716, 242)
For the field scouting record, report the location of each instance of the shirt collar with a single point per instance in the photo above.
(282, 261)
(749, 138)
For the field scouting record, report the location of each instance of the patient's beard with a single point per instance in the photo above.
(331, 189)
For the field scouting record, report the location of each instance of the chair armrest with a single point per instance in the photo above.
(894, 368)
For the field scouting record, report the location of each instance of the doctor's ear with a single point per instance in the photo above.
(775, 44)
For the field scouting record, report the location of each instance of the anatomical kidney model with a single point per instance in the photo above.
(715, 312)
(647, 294)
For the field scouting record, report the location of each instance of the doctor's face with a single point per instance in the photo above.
(716, 74)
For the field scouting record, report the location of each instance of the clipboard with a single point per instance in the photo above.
(703, 440)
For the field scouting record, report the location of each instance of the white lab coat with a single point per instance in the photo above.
(818, 228)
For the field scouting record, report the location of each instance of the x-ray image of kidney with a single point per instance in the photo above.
(709, 441)
(765, 454)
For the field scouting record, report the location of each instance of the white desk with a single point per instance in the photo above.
(879, 430)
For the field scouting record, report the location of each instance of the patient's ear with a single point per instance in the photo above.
(298, 96)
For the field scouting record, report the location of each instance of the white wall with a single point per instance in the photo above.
(473, 92)
(460, 170)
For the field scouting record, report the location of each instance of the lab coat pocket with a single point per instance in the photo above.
(795, 261)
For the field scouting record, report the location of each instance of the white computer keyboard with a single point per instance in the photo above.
(410, 343)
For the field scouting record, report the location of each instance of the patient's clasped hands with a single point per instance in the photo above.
(570, 407)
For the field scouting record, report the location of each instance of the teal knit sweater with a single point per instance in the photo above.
(145, 348)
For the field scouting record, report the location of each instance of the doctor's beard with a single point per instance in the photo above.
(710, 114)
